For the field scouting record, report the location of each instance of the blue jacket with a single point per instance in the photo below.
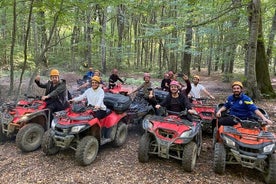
(242, 107)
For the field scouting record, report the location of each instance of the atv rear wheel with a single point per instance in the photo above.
(29, 137)
(219, 158)
(189, 156)
(121, 135)
(48, 144)
(144, 147)
(87, 150)
(269, 174)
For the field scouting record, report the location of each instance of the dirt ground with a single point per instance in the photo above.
(120, 165)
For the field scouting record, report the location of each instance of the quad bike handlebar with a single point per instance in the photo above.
(250, 123)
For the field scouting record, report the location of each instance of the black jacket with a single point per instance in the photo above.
(58, 93)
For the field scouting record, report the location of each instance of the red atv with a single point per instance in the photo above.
(249, 144)
(206, 111)
(27, 120)
(117, 89)
(79, 130)
(171, 137)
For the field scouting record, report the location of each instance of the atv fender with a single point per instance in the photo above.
(39, 117)
(112, 119)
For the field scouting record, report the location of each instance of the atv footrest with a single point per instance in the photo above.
(105, 140)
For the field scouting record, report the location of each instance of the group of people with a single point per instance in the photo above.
(238, 104)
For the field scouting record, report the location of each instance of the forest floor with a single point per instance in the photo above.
(121, 165)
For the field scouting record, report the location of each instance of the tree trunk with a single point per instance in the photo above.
(254, 17)
(12, 48)
(271, 39)
(262, 71)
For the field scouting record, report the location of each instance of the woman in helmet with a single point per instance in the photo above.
(147, 90)
(239, 105)
(95, 97)
(56, 93)
(176, 101)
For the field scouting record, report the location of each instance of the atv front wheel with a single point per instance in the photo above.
(219, 158)
(48, 144)
(2, 135)
(121, 135)
(144, 147)
(29, 137)
(199, 142)
(269, 174)
(87, 150)
(189, 156)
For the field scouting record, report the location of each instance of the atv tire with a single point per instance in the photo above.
(48, 144)
(144, 147)
(3, 137)
(87, 150)
(219, 158)
(29, 137)
(121, 135)
(199, 142)
(269, 174)
(189, 156)
(214, 141)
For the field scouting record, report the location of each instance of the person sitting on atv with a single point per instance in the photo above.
(113, 78)
(176, 101)
(197, 89)
(183, 90)
(239, 105)
(95, 97)
(88, 83)
(56, 94)
(147, 90)
(89, 74)
(165, 83)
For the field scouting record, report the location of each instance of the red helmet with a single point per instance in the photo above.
(146, 75)
(174, 82)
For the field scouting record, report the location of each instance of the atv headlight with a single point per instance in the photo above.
(53, 123)
(147, 124)
(76, 129)
(229, 142)
(268, 148)
(24, 118)
(186, 134)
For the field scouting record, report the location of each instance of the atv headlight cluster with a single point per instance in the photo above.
(268, 148)
(229, 142)
(186, 134)
(147, 124)
(24, 118)
(76, 129)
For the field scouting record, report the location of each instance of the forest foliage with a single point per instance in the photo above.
(140, 36)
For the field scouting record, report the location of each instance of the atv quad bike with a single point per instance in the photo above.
(249, 144)
(117, 89)
(206, 111)
(138, 110)
(27, 120)
(171, 137)
(79, 130)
